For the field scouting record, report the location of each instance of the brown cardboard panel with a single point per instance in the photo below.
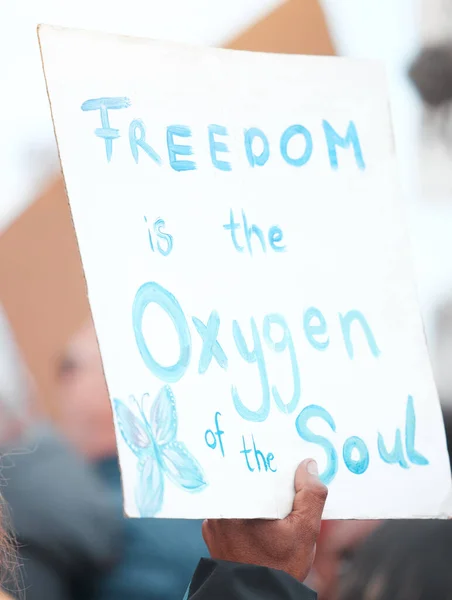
(296, 27)
(42, 285)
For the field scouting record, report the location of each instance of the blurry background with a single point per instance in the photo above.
(41, 282)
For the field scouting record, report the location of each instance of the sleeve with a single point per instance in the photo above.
(220, 580)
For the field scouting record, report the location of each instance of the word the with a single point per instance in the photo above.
(275, 235)
(164, 240)
(179, 150)
(355, 452)
(314, 325)
(260, 461)
(211, 436)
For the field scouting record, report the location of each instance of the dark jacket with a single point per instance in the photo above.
(219, 580)
(63, 517)
(159, 555)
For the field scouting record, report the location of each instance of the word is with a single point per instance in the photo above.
(164, 241)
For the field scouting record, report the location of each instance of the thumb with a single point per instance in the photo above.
(310, 496)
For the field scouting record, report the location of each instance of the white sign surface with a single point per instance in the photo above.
(249, 276)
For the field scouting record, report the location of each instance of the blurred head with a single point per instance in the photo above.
(431, 73)
(402, 560)
(84, 408)
(336, 546)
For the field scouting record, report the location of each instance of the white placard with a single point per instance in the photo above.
(249, 275)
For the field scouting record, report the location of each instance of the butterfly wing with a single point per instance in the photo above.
(182, 468)
(149, 489)
(162, 415)
(131, 428)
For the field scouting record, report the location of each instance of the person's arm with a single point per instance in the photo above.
(263, 560)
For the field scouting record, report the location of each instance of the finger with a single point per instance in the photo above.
(310, 497)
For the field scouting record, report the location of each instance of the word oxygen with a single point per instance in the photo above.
(256, 143)
(355, 451)
(275, 333)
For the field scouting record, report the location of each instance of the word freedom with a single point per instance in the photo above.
(256, 143)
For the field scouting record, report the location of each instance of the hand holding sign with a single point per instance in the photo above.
(287, 545)
(248, 274)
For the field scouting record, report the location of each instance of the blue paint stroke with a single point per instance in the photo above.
(147, 294)
(252, 356)
(346, 323)
(175, 150)
(359, 465)
(333, 140)
(107, 133)
(137, 139)
(301, 425)
(395, 456)
(313, 328)
(285, 139)
(256, 159)
(210, 345)
(280, 346)
(410, 433)
(216, 146)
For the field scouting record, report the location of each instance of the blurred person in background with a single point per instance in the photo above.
(402, 560)
(431, 74)
(57, 507)
(338, 542)
(159, 555)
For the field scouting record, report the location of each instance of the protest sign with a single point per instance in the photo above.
(248, 270)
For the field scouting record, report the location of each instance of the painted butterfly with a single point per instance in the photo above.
(152, 438)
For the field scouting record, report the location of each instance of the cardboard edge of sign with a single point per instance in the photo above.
(44, 28)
